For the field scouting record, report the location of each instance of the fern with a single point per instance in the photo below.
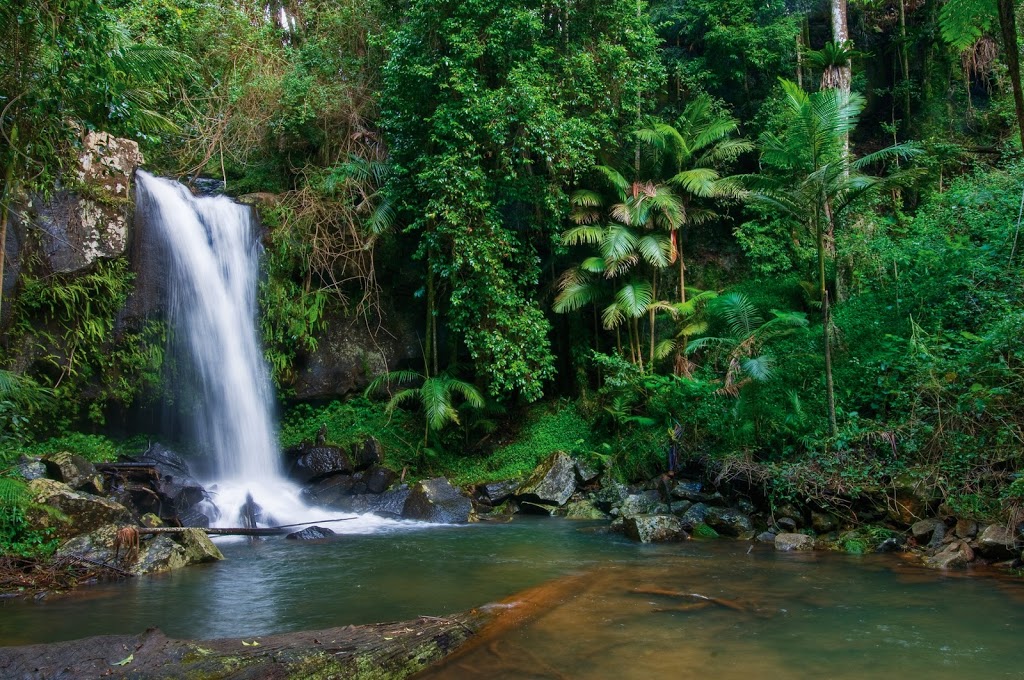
(963, 22)
(13, 493)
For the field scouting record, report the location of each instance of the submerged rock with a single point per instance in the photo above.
(788, 542)
(654, 528)
(82, 512)
(436, 500)
(311, 534)
(552, 482)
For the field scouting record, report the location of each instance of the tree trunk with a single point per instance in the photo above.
(840, 36)
(826, 320)
(1008, 27)
(905, 65)
(6, 198)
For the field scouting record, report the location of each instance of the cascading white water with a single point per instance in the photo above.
(210, 247)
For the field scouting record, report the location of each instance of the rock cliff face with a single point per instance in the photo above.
(78, 228)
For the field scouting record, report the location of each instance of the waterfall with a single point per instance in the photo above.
(210, 247)
(211, 251)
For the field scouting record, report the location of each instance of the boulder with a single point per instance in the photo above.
(82, 512)
(956, 555)
(350, 353)
(966, 528)
(30, 468)
(162, 552)
(823, 522)
(178, 490)
(679, 508)
(73, 470)
(586, 471)
(654, 528)
(583, 509)
(313, 463)
(436, 500)
(645, 503)
(914, 498)
(379, 478)
(552, 482)
(765, 537)
(923, 530)
(787, 524)
(388, 504)
(331, 490)
(368, 454)
(695, 515)
(311, 534)
(728, 521)
(611, 493)
(497, 493)
(693, 491)
(790, 542)
(996, 541)
(891, 544)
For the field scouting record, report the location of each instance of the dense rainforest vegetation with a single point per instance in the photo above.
(778, 236)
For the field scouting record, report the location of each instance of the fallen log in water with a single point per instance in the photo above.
(217, 531)
(385, 650)
(240, 531)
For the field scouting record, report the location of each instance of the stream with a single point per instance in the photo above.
(638, 611)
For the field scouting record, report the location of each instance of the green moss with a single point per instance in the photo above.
(704, 531)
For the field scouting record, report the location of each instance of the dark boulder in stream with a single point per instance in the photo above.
(178, 493)
(436, 500)
(552, 482)
(311, 534)
(311, 463)
(654, 528)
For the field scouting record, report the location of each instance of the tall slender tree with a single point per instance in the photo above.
(815, 180)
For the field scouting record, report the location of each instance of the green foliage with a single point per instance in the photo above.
(733, 50)
(487, 120)
(350, 422)
(69, 324)
(17, 537)
(558, 426)
(434, 393)
(95, 448)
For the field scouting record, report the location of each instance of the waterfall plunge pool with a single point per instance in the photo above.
(801, 615)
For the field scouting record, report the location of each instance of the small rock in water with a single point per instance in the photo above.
(311, 534)
(788, 542)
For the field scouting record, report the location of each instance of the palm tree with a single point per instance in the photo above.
(435, 394)
(744, 348)
(691, 154)
(620, 250)
(815, 179)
